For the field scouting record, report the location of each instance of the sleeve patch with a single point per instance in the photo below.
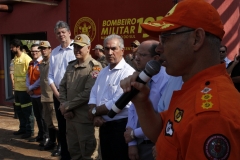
(217, 146)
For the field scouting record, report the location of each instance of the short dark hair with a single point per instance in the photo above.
(17, 43)
(224, 47)
(34, 45)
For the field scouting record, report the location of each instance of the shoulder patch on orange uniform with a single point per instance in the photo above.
(207, 98)
(217, 146)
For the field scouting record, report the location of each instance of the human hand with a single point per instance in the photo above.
(68, 115)
(129, 82)
(62, 109)
(133, 153)
(98, 121)
(127, 135)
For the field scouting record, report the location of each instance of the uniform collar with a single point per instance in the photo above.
(84, 64)
(205, 75)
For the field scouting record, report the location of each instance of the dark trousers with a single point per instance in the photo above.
(38, 113)
(24, 111)
(112, 141)
(62, 131)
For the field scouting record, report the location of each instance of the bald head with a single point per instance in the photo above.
(146, 52)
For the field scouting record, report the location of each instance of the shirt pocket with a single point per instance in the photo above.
(69, 78)
(112, 88)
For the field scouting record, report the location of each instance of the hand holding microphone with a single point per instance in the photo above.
(151, 69)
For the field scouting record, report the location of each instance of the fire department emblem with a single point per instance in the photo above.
(217, 146)
(85, 25)
(178, 115)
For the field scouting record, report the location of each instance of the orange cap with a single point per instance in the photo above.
(188, 13)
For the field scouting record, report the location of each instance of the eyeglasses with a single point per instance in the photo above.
(222, 51)
(163, 37)
(35, 51)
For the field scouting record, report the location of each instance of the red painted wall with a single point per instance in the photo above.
(29, 18)
(101, 18)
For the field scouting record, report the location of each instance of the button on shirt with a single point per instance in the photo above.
(107, 90)
(58, 63)
(158, 83)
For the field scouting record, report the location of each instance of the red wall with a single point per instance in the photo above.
(128, 15)
(29, 18)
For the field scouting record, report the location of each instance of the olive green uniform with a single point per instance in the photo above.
(47, 97)
(74, 90)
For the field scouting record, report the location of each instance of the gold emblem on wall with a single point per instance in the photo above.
(85, 25)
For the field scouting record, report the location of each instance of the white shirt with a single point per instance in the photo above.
(58, 63)
(107, 90)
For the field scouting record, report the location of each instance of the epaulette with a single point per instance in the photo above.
(95, 62)
(207, 98)
(72, 61)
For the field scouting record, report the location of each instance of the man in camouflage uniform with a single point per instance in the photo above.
(74, 90)
(98, 50)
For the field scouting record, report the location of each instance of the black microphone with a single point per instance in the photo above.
(152, 68)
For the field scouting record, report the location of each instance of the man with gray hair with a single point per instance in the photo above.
(105, 92)
(59, 59)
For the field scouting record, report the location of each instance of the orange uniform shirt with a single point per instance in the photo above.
(203, 119)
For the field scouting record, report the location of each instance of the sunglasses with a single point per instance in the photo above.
(134, 46)
(222, 51)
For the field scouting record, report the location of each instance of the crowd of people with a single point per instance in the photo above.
(188, 110)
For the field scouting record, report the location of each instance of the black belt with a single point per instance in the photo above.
(146, 142)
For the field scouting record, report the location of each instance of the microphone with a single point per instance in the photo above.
(152, 68)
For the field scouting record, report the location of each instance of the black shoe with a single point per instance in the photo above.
(57, 152)
(27, 135)
(36, 139)
(19, 132)
(44, 142)
(49, 146)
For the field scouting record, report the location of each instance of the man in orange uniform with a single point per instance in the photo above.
(202, 121)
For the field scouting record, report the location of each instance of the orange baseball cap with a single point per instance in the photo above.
(188, 13)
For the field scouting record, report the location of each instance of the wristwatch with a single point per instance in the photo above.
(94, 111)
(132, 134)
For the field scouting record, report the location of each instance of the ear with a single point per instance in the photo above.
(123, 52)
(89, 48)
(199, 37)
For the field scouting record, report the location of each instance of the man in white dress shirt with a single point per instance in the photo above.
(59, 59)
(105, 92)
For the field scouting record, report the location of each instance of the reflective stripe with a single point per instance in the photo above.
(17, 104)
(26, 105)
